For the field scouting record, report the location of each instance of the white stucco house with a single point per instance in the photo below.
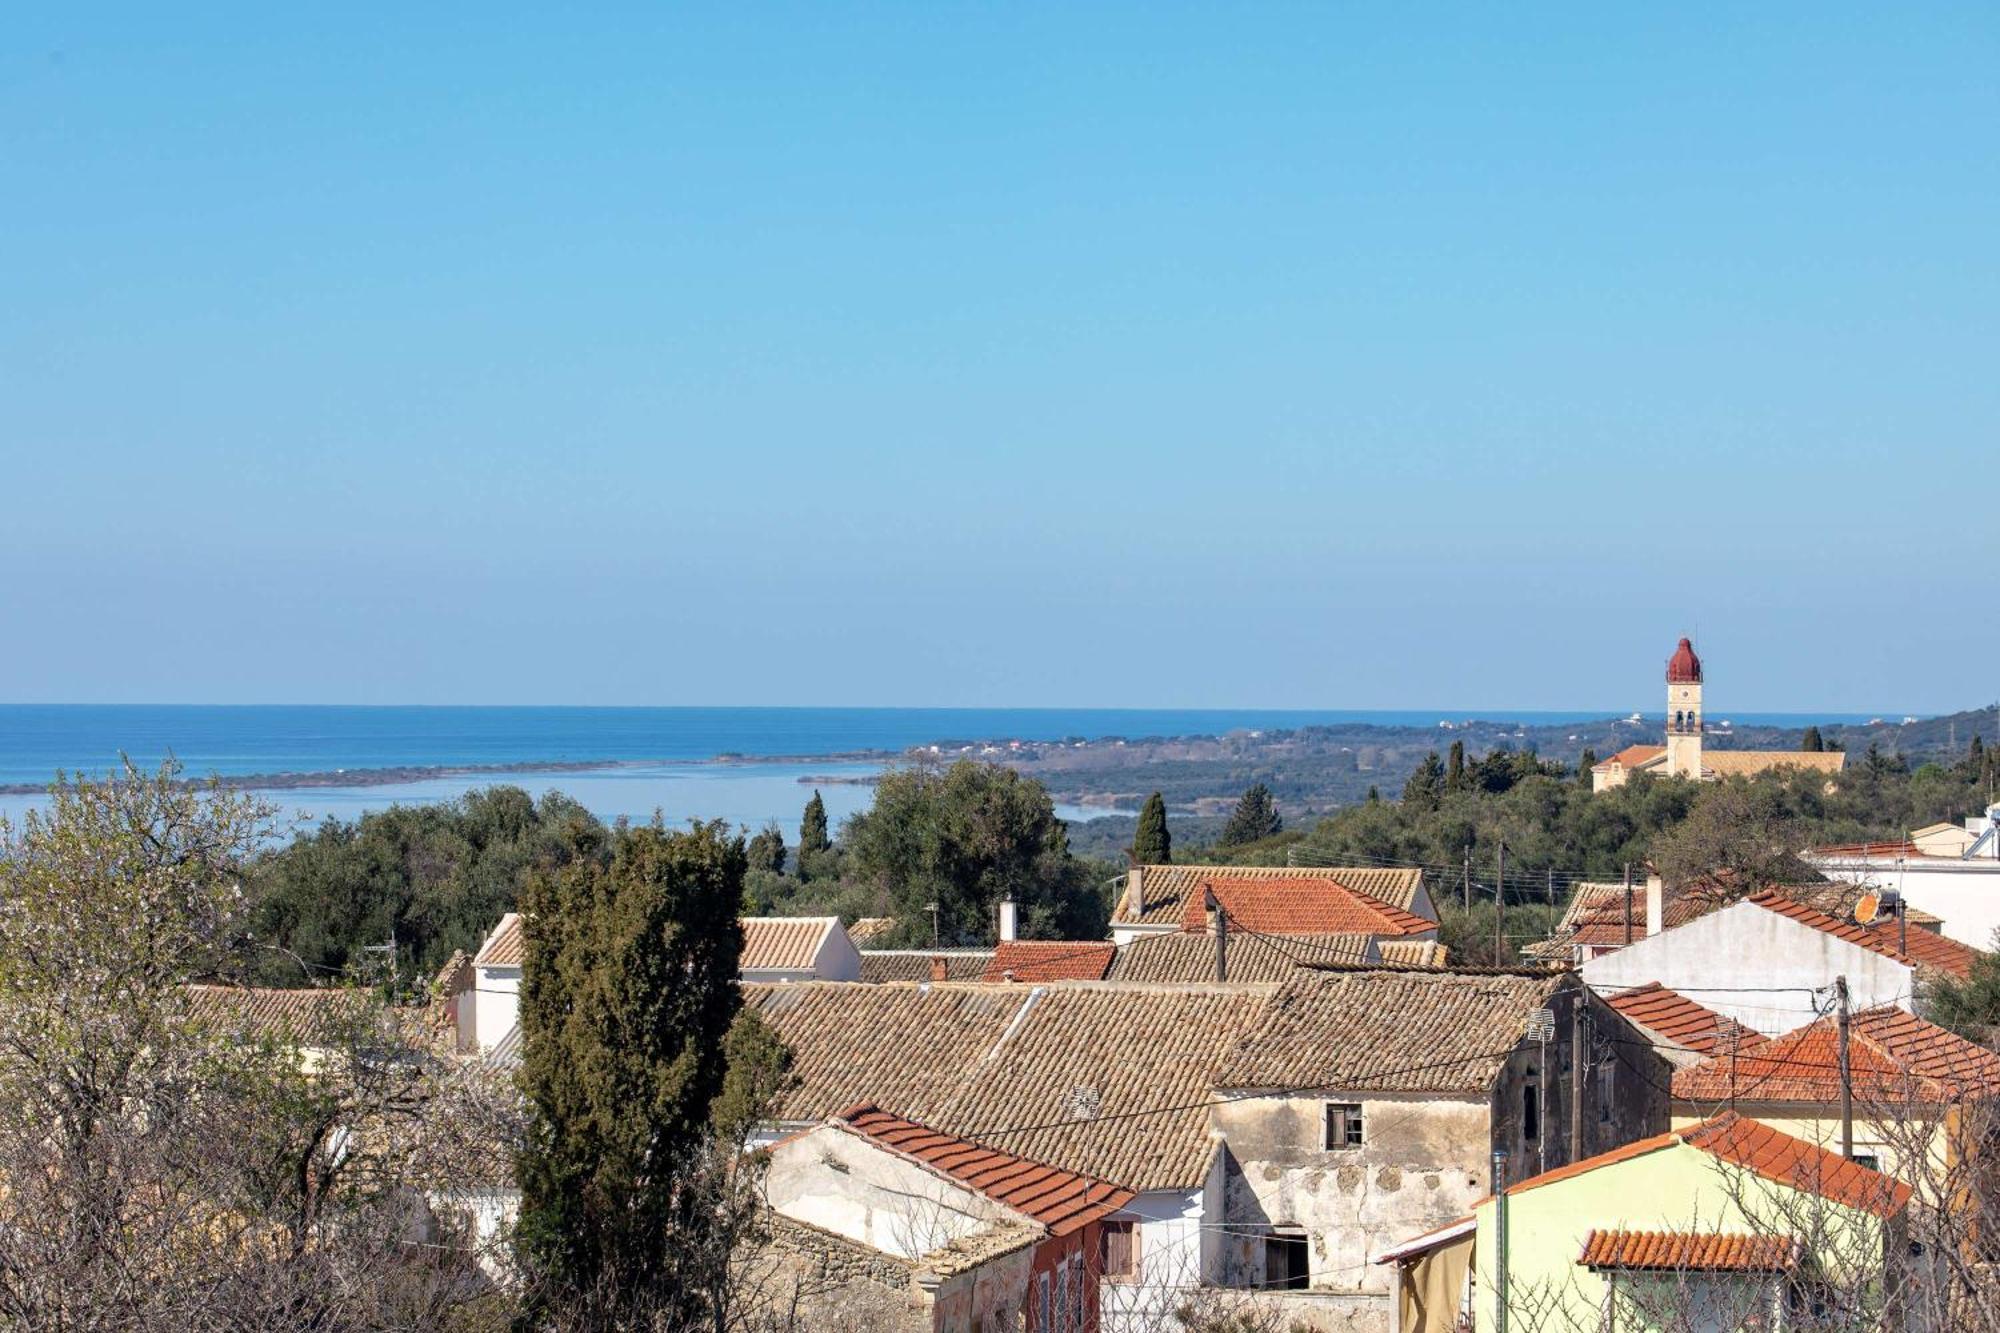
(1769, 962)
(1950, 871)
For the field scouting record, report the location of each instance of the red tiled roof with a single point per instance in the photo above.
(1060, 1200)
(1925, 948)
(1634, 755)
(1892, 850)
(1050, 960)
(1680, 1021)
(1894, 1056)
(1688, 1251)
(265, 1011)
(503, 946)
(1755, 1146)
(1300, 906)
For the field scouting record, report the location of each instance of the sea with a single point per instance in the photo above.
(638, 761)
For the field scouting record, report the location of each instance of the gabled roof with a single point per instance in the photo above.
(260, 1012)
(1060, 1200)
(1689, 1252)
(879, 965)
(1184, 957)
(1894, 1057)
(1043, 1071)
(1679, 1022)
(1414, 953)
(1166, 889)
(503, 947)
(1762, 1150)
(1299, 905)
(1050, 960)
(1632, 756)
(1387, 1031)
(1926, 949)
(784, 943)
(1744, 763)
(1902, 849)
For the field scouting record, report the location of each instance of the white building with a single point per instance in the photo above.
(1769, 962)
(1944, 869)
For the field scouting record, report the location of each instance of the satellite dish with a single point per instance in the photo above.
(1867, 909)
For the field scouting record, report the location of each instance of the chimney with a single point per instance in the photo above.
(1656, 904)
(937, 968)
(1008, 921)
(1135, 893)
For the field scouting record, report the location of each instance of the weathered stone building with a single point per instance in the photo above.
(1367, 1105)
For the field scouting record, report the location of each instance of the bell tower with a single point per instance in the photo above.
(1684, 713)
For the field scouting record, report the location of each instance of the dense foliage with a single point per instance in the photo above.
(432, 878)
(628, 994)
(1255, 817)
(1152, 844)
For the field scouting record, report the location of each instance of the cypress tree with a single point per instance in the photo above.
(1812, 744)
(1152, 845)
(1584, 763)
(1454, 768)
(1255, 817)
(628, 992)
(812, 827)
(1426, 782)
(767, 849)
(1374, 794)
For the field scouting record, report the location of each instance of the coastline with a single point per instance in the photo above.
(400, 775)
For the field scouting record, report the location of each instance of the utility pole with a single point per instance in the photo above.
(1579, 1069)
(1500, 910)
(1552, 886)
(1468, 877)
(1221, 935)
(932, 908)
(1500, 1240)
(1628, 902)
(1846, 1073)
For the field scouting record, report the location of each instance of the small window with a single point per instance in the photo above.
(1042, 1303)
(1285, 1261)
(1076, 1281)
(1607, 1092)
(1121, 1252)
(1343, 1125)
(1531, 1113)
(1868, 1159)
(1061, 1320)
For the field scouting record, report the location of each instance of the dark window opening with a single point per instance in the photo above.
(1606, 1092)
(1531, 1112)
(1869, 1160)
(1343, 1125)
(1285, 1261)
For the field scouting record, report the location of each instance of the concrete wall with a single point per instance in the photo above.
(993, 1296)
(1423, 1161)
(496, 1004)
(1733, 960)
(838, 959)
(1964, 895)
(1173, 1251)
(839, 1182)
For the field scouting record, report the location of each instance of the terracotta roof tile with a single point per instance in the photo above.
(1400, 1031)
(1184, 957)
(1414, 953)
(1050, 960)
(1679, 1021)
(1632, 756)
(1894, 1056)
(1299, 906)
(1060, 1200)
(880, 965)
(1758, 1148)
(784, 943)
(1689, 1251)
(1890, 850)
(1745, 763)
(503, 947)
(1036, 1070)
(1167, 888)
(280, 1014)
(870, 927)
(1925, 948)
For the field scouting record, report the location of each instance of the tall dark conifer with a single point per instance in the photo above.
(1454, 768)
(628, 990)
(812, 827)
(1152, 845)
(1811, 743)
(1255, 817)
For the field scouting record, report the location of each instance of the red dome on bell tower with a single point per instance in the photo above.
(1684, 668)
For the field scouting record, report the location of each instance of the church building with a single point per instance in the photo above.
(1683, 755)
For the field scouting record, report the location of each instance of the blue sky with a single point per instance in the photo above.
(1093, 355)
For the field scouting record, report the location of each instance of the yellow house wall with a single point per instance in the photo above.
(1676, 1188)
(1873, 1135)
